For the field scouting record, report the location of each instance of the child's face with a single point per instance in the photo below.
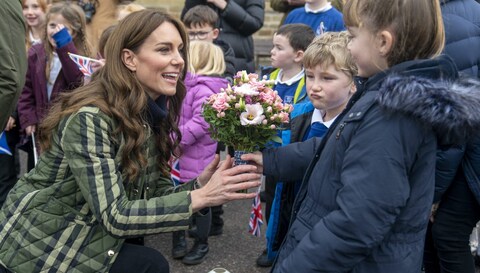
(53, 27)
(282, 54)
(365, 52)
(202, 32)
(329, 89)
(33, 13)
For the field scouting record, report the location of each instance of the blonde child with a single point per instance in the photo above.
(124, 10)
(198, 149)
(34, 14)
(368, 184)
(326, 56)
(50, 69)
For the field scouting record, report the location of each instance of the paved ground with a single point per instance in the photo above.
(235, 250)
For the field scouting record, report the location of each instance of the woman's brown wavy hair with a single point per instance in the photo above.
(120, 95)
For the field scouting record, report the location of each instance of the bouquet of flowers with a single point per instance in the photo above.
(247, 115)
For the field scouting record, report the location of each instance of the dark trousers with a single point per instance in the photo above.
(135, 258)
(203, 225)
(139, 259)
(217, 213)
(447, 247)
(270, 187)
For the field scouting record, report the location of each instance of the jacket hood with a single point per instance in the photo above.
(212, 82)
(450, 108)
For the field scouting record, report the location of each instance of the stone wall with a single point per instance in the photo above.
(174, 7)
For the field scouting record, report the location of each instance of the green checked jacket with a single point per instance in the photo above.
(72, 212)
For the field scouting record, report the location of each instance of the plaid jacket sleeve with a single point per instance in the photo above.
(90, 152)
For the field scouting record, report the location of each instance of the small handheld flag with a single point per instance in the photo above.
(256, 217)
(175, 171)
(84, 63)
(4, 145)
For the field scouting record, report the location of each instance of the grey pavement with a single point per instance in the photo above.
(235, 250)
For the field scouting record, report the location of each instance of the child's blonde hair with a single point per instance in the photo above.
(206, 58)
(330, 48)
(416, 25)
(124, 10)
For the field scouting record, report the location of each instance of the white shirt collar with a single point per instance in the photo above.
(290, 81)
(317, 116)
(323, 9)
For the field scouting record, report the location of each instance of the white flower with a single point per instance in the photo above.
(253, 115)
(246, 90)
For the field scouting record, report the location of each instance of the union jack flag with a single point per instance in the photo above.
(84, 63)
(175, 171)
(256, 217)
(4, 145)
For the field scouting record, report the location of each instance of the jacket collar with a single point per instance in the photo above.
(156, 111)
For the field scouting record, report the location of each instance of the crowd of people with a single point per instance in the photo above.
(378, 169)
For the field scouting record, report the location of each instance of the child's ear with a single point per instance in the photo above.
(129, 60)
(384, 42)
(353, 88)
(215, 33)
(299, 56)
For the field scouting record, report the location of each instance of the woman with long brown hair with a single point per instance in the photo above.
(103, 176)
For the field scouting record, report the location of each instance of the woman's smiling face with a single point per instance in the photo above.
(159, 61)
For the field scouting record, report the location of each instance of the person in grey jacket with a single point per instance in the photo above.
(239, 20)
(462, 32)
(13, 55)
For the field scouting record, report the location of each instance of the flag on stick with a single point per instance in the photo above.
(256, 217)
(35, 156)
(84, 63)
(4, 149)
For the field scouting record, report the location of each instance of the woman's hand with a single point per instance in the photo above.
(224, 184)
(207, 173)
(256, 159)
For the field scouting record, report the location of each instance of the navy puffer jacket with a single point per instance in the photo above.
(462, 28)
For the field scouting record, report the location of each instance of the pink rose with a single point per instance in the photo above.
(220, 102)
(268, 97)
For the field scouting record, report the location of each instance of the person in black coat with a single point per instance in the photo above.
(456, 208)
(239, 20)
(462, 30)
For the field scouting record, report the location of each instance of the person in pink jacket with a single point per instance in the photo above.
(204, 79)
